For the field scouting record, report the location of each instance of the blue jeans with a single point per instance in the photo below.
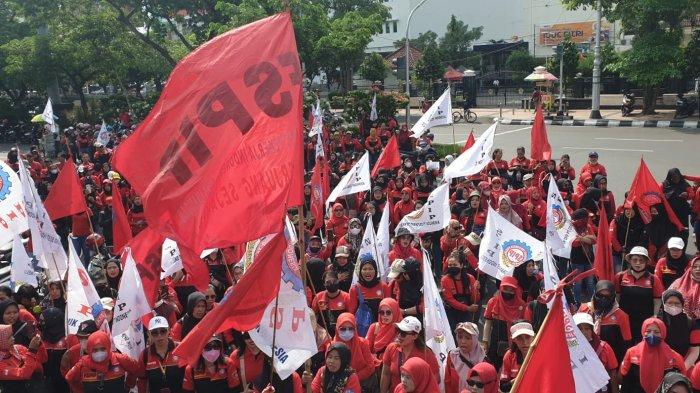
(587, 284)
(82, 249)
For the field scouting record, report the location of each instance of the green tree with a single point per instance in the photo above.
(374, 68)
(691, 56)
(608, 56)
(455, 45)
(420, 43)
(430, 67)
(571, 59)
(521, 62)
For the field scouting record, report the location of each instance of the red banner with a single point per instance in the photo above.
(219, 158)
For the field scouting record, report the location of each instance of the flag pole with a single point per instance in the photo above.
(454, 139)
(624, 246)
(274, 338)
(301, 232)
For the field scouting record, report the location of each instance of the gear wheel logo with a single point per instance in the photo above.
(5, 184)
(515, 252)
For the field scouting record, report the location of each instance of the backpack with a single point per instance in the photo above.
(363, 315)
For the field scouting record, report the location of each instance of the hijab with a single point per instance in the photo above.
(114, 282)
(387, 332)
(524, 281)
(672, 379)
(653, 360)
(355, 343)
(677, 325)
(188, 321)
(423, 377)
(373, 282)
(476, 354)
(354, 240)
(511, 216)
(19, 330)
(509, 310)
(487, 373)
(335, 382)
(102, 339)
(54, 328)
(690, 289)
(660, 228)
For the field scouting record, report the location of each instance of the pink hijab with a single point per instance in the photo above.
(511, 216)
(690, 289)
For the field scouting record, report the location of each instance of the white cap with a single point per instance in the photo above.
(639, 250)
(521, 328)
(207, 252)
(158, 323)
(527, 176)
(410, 324)
(583, 317)
(396, 268)
(676, 242)
(107, 303)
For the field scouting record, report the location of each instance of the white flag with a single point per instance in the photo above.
(373, 114)
(170, 259)
(319, 146)
(440, 113)
(505, 246)
(130, 306)
(295, 341)
(384, 242)
(438, 335)
(48, 115)
(433, 216)
(21, 270)
(560, 230)
(103, 135)
(317, 127)
(369, 247)
(589, 373)
(356, 180)
(13, 215)
(46, 244)
(82, 301)
(475, 159)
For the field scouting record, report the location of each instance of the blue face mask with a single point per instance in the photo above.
(652, 340)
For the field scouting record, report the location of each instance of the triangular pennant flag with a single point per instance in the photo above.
(21, 269)
(603, 262)
(433, 216)
(440, 113)
(390, 157)
(82, 301)
(475, 159)
(469, 142)
(48, 115)
(170, 260)
(103, 135)
(357, 179)
(66, 196)
(540, 149)
(646, 192)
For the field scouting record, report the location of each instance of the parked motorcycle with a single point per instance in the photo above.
(685, 107)
(628, 100)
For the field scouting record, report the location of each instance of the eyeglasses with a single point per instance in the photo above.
(385, 312)
(478, 384)
(159, 332)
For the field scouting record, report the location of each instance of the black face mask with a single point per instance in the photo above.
(453, 270)
(332, 288)
(603, 303)
(508, 296)
(314, 249)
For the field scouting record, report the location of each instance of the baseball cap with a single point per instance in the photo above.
(396, 268)
(638, 250)
(468, 327)
(527, 176)
(474, 239)
(107, 303)
(583, 317)
(342, 251)
(158, 323)
(86, 328)
(521, 328)
(410, 324)
(676, 242)
(593, 154)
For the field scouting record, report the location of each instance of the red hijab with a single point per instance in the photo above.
(690, 289)
(355, 343)
(387, 332)
(99, 338)
(509, 310)
(487, 373)
(423, 378)
(653, 361)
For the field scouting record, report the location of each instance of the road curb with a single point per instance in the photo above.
(609, 123)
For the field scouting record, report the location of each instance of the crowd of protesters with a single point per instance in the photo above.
(643, 324)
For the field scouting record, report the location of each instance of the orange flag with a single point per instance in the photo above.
(469, 143)
(646, 192)
(390, 157)
(547, 368)
(66, 196)
(603, 262)
(540, 149)
(121, 230)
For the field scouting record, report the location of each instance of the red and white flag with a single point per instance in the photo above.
(222, 148)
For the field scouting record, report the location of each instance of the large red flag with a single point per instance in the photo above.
(646, 192)
(222, 147)
(540, 149)
(469, 142)
(603, 262)
(547, 368)
(66, 197)
(389, 158)
(146, 248)
(121, 230)
(244, 305)
(320, 189)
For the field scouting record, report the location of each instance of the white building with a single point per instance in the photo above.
(509, 20)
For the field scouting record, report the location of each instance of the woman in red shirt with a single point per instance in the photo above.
(504, 308)
(522, 336)
(460, 291)
(462, 359)
(536, 209)
(383, 332)
(498, 166)
(371, 286)
(336, 375)
(362, 360)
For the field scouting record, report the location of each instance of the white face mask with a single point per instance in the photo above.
(346, 335)
(355, 231)
(99, 356)
(673, 310)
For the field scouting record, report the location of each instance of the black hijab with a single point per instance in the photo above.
(660, 228)
(53, 326)
(19, 330)
(334, 380)
(524, 281)
(411, 293)
(677, 326)
(188, 321)
(672, 192)
(114, 282)
(372, 283)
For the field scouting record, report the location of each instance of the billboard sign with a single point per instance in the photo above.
(578, 32)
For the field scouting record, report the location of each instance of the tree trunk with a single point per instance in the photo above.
(649, 101)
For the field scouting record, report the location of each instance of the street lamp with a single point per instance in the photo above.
(408, 75)
(595, 99)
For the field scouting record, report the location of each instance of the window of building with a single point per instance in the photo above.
(386, 28)
(396, 23)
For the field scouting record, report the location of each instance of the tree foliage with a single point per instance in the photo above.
(608, 58)
(430, 67)
(374, 68)
(456, 44)
(521, 62)
(421, 43)
(571, 60)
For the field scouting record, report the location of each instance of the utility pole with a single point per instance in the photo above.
(595, 99)
(408, 64)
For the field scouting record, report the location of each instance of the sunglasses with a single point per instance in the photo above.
(385, 312)
(478, 384)
(159, 332)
